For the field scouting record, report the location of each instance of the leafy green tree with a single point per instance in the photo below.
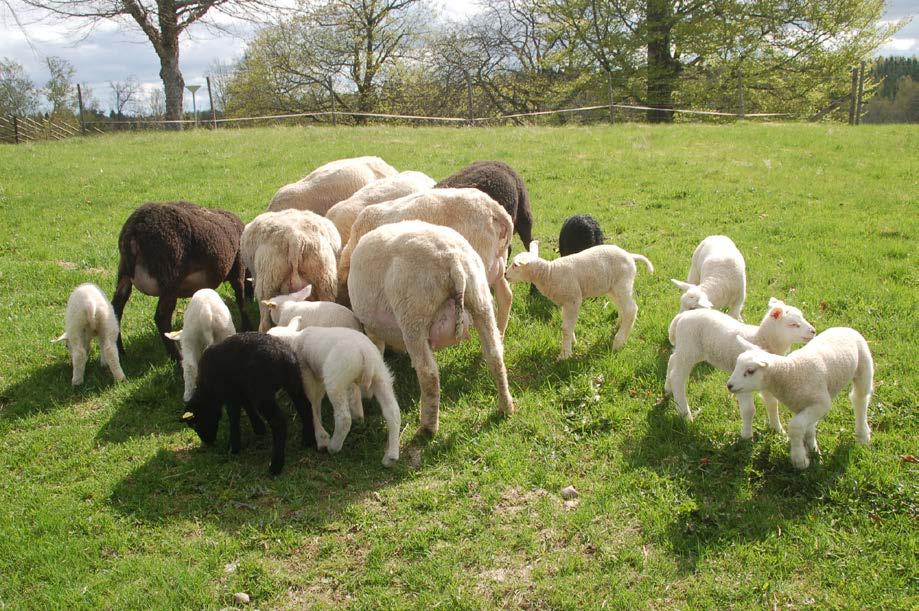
(60, 89)
(18, 95)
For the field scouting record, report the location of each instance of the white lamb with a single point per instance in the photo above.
(717, 277)
(477, 217)
(89, 314)
(711, 336)
(207, 321)
(418, 287)
(343, 364)
(567, 281)
(807, 380)
(284, 308)
(344, 213)
(284, 251)
(330, 183)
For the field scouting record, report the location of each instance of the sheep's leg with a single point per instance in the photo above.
(747, 411)
(799, 427)
(237, 280)
(295, 392)
(163, 318)
(503, 300)
(109, 351)
(678, 371)
(772, 410)
(493, 349)
(628, 311)
(258, 426)
(315, 392)
(428, 374)
(810, 439)
(264, 321)
(356, 405)
(569, 319)
(277, 422)
(860, 395)
(235, 435)
(341, 409)
(119, 299)
(78, 355)
(392, 416)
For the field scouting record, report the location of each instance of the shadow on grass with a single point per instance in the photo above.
(741, 490)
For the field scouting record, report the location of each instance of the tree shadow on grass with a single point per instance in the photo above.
(741, 490)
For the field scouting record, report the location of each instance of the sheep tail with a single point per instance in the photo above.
(367, 374)
(671, 332)
(295, 246)
(643, 260)
(458, 276)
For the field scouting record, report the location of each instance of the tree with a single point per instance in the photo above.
(221, 74)
(162, 21)
(18, 95)
(125, 94)
(156, 103)
(60, 88)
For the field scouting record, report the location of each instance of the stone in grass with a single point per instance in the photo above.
(569, 493)
(242, 598)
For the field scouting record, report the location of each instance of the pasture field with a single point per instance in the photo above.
(108, 501)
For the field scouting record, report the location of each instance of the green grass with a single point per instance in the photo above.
(106, 500)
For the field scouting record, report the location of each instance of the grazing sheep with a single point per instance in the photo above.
(717, 277)
(807, 380)
(711, 336)
(503, 185)
(284, 308)
(475, 215)
(343, 364)
(245, 371)
(567, 281)
(89, 315)
(578, 233)
(207, 321)
(287, 250)
(416, 286)
(170, 250)
(344, 213)
(330, 183)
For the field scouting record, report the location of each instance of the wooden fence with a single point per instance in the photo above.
(16, 130)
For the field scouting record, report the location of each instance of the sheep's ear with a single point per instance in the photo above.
(534, 248)
(746, 344)
(776, 313)
(188, 417)
(174, 335)
(294, 323)
(269, 304)
(62, 338)
(763, 363)
(303, 293)
(683, 286)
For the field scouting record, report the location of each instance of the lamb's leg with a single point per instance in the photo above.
(772, 410)
(119, 299)
(799, 427)
(340, 399)
(503, 300)
(264, 322)
(356, 405)
(628, 311)
(237, 280)
(810, 439)
(278, 423)
(79, 352)
(747, 411)
(392, 416)
(258, 426)
(315, 392)
(569, 319)
(678, 371)
(295, 392)
(860, 395)
(235, 436)
(109, 351)
(190, 376)
(428, 374)
(163, 318)
(493, 349)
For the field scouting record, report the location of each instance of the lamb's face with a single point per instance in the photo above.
(693, 296)
(748, 371)
(274, 304)
(516, 271)
(204, 419)
(793, 327)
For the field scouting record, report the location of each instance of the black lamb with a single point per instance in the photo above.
(170, 250)
(503, 185)
(245, 371)
(578, 233)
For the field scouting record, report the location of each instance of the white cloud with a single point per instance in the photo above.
(899, 46)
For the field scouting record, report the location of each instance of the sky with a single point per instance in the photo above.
(115, 51)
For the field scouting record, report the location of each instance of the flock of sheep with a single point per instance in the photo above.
(357, 257)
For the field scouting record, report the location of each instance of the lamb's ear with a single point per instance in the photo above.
(746, 344)
(269, 304)
(776, 313)
(62, 338)
(295, 323)
(188, 417)
(303, 293)
(683, 286)
(534, 248)
(174, 335)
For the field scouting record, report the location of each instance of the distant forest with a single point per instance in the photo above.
(897, 96)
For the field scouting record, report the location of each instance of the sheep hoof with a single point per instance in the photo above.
(76, 381)
(800, 461)
(389, 461)
(334, 448)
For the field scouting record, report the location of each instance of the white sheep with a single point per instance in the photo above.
(711, 336)
(717, 277)
(345, 212)
(343, 364)
(330, 183)
(89, 314)
(284, 251)
(207, 321)
(807, 380)
(477, 217)
(418, 287)
(567, 281)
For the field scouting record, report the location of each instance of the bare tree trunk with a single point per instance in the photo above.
(173, 83)
(662, 68)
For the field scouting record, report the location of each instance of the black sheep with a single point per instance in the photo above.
(503, 185)
(245, 371)
(170, 250)
(579, 233)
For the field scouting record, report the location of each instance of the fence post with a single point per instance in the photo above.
(210, 96)
(740, 103)
(469, 115)
(609, 94)
(861, 90)
(853, 96)
(80, 102)
(334, 112)
(15, 130)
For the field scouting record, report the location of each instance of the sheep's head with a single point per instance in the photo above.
(693, 296)
(749, 368)
(287, 333)
(793, 327)
(274, 304)
(203, 418)
(517, 270)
